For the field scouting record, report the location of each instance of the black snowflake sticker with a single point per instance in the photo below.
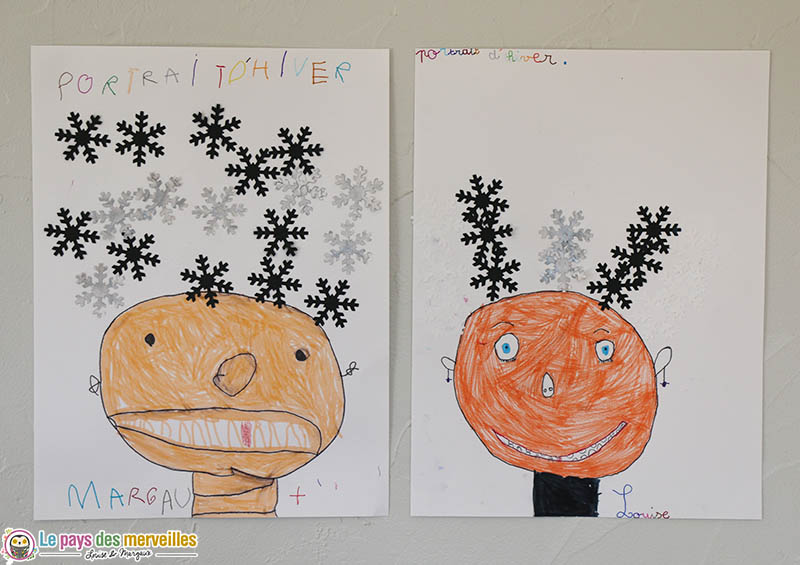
(276, 281)
(616, 285)
(295, 152)
(71, 234)
(483, 202)
(495, 271)
(645, 240)
(331, 303)
(483, 209)
(82, 137)
(206, 281)
(213, 131)
(140, 138)
(280, 232)
(252, 172)
(134, 255)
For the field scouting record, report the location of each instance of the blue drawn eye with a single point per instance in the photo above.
(506, 347)
(604, 350)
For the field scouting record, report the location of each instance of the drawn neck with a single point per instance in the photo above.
(233, 496)
(554, 495)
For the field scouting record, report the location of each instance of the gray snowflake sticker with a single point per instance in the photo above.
(564, 255)
(300, 189)
(358, 193)
(160, 199)
(219, 210)
(347, 246)
(99, 290)
(115, 215)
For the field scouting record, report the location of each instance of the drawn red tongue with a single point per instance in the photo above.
(247, 433)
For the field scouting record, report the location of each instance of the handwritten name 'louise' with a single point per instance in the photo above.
(502, 54)
(626, 513)
(222, 74)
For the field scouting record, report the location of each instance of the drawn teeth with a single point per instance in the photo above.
(579, 455)
(226, 434)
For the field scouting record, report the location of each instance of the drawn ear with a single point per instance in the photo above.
(351, 368)
(450, 365)
(663, 358)
(94, 385)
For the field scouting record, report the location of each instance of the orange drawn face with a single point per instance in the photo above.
(245, 386)
(550, 382)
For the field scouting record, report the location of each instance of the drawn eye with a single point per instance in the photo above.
(604, 350)
(150, 339)
(506, 347)
(301, 354)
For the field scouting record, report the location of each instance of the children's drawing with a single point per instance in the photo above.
(227, 342)
(588, 304)
(554, 381)
(239, 395)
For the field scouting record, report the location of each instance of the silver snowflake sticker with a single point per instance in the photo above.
(301, 188)
(219, 210)
(358, 193)
(116, 215)
(99, 290)
(160, 199)
(565, 254)
(347, 246)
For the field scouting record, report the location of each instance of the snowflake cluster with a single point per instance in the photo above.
(139, 138)
(288, 166)
(116, 218)
(645, 240)
(483, 209)
(357, 194)
(564, 255)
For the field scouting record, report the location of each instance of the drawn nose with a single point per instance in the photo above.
(235, 374)
(548, 386)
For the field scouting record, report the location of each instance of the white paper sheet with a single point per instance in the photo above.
(242, 97)
(599, 133)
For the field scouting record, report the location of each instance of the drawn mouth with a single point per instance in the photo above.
(224, 429)
(579, 455)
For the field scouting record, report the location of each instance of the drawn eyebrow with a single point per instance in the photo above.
(498, 323)
(601, 330)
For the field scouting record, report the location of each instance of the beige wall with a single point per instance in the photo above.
(673, 24)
